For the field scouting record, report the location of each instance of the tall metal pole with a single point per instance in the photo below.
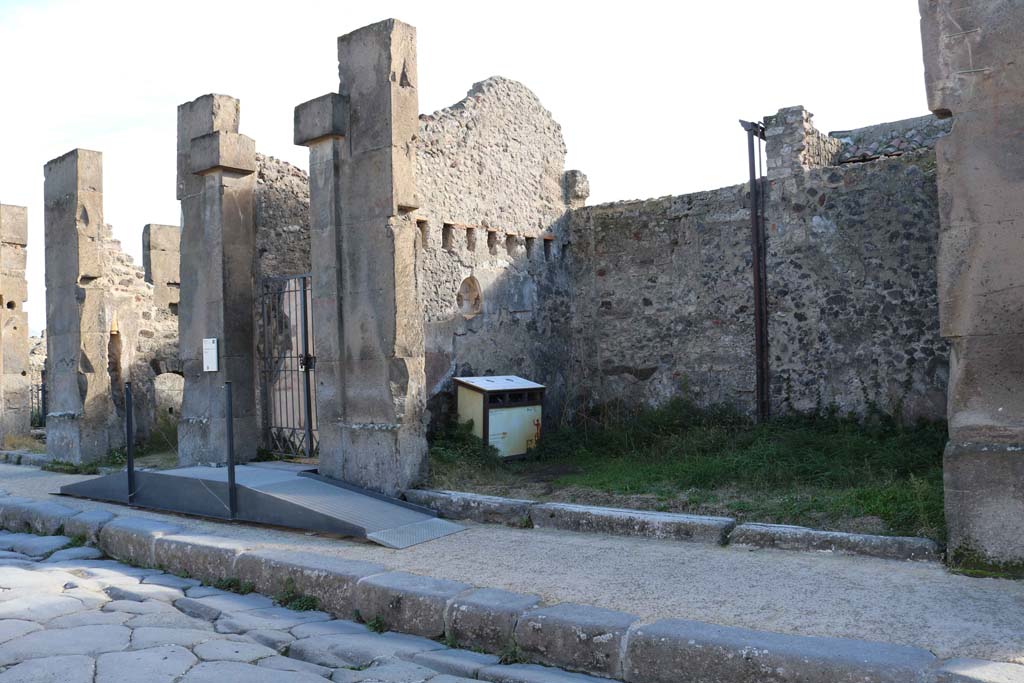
(230, 431)
(130, 440)
(307, 363)
(757, 243)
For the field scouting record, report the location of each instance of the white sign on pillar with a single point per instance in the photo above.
(210, 355)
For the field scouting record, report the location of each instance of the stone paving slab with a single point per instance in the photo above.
(533, 673)
(60, 669)
(162, 664)
(464, 663)
(359, 650)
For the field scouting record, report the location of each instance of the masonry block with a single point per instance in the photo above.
(479, 508)
(678, 650)
(132, 540)
(486, 618)
(331, 580)
(219, 150)
(207, 558)
(326, 116)
(87, 525)
(678, 527)
(576, 637)
(407, 602)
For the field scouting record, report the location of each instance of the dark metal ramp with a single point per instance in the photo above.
(280, 494)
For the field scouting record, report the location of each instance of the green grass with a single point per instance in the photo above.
(825, 471)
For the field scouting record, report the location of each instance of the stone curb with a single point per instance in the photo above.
(661, 525)
(24, 458)
(675, 650)
(479, 508)
(801, 538)
(667, 525)
(578, 638)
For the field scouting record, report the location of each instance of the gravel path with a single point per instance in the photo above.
(908, 603)
(67, 615)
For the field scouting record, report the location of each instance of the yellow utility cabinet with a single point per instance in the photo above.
(505, 410)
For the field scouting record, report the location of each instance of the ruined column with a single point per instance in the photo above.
(81, 424)
(161, 245)
(15, 404)
(369, 324)
(974, 73)
(216, 186)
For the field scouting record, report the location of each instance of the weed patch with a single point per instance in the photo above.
(292, 599)
(234, 585)
(829, 471)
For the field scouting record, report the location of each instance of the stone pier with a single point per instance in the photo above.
(81, 335)
(369, 323)
(216, 186)
(15, 385)
(161, 246)
(974, 73)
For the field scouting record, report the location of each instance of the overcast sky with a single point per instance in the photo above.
(647, 93)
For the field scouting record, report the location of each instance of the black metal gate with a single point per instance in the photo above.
(37, 403)
(286, 362)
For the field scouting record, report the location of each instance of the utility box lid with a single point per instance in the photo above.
(498, 383)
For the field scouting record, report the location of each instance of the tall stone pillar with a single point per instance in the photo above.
(974, 72)
(216, 186)
(369, 323)
(15, 404)
(81, 422)
(161, 260)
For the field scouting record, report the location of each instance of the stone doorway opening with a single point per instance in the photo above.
(287, 363)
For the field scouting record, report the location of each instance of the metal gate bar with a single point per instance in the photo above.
(286, 362)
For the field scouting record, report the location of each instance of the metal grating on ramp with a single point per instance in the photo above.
(356, 508)
(413, 534)
(291, 496)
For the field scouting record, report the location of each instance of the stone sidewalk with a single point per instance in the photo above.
(904, 603)
(70, 616)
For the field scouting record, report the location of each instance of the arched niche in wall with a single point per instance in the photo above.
(470, 298)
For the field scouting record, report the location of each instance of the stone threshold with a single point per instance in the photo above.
(593, 641)
(667, 525)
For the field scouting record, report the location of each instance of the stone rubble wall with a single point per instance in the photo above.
(851, 289)
(495, 199)
(662, 290)
(662, 303)
(891, 139)
(149, 333)
(282, 218)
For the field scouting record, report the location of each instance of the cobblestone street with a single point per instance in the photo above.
(67, 615)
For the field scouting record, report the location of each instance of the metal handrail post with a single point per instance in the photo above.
(230, 417)
(130, 440)
(307, 363)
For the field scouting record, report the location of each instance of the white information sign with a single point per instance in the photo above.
(210, 355)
